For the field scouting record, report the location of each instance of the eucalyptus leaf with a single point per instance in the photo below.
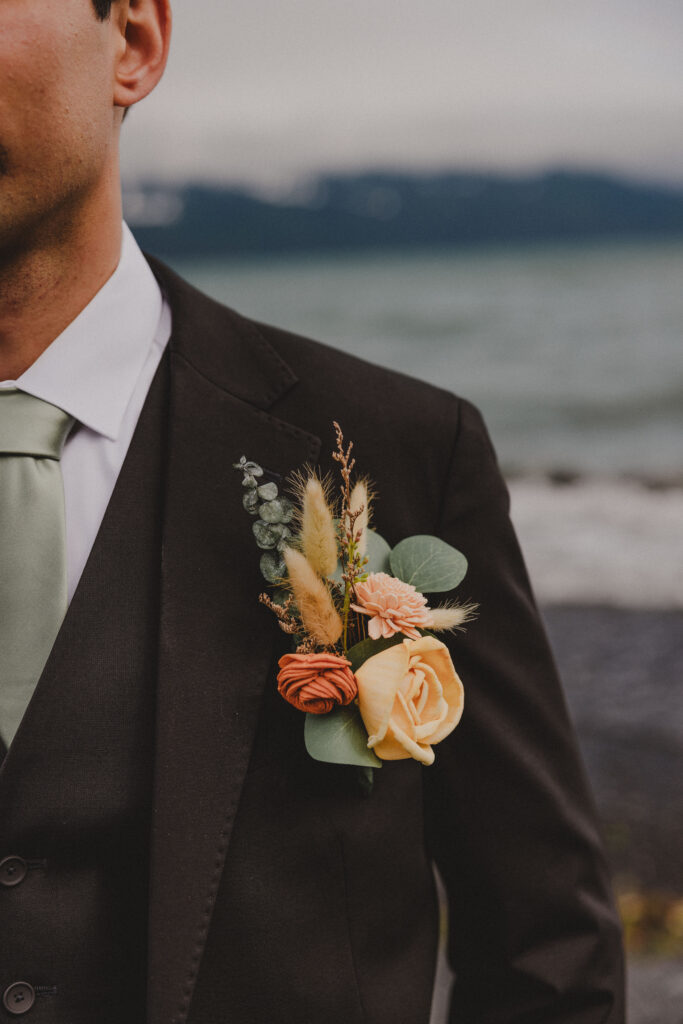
(272, 512)
(267, 492)
(339, 738)
(285, 539)
(337, 574)
(359, 653)
(267, 536)
(287, 510)
(430, 564)
(378, 553)
(273, 567)
(251, 470)
(250, 502)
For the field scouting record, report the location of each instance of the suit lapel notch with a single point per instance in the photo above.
(223, 346)
(214, 660)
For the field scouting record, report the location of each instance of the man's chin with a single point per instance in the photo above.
(17, 232)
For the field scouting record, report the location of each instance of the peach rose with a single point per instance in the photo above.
(316, 682)
(394, 606)
(410, 698)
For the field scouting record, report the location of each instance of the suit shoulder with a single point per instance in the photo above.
(317, 381)
(336, 374)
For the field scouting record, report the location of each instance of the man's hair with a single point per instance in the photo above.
(102, 8)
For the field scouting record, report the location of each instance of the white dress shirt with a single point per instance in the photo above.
(99, 371)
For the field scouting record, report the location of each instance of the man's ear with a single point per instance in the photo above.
(144, 34)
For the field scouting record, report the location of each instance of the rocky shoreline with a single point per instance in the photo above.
(622, 671)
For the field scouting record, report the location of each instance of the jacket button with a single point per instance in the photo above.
(19, 998)
(12, 871)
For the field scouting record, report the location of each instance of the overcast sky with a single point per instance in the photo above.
(270, 90)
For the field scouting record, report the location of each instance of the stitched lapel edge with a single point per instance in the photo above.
(215, 646)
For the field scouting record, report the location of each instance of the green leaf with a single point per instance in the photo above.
(284, 541)
(378, 554)
(250, 502)
(270, 535)
(430, 564)
(267, 492)
(287, 510)
(339, 738)
(359, 653)
(273, 567)
(267, 536)
(378, 557)
(273, 512)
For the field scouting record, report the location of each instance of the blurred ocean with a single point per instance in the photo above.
(574, 353)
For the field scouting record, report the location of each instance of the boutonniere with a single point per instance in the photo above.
(375, 682)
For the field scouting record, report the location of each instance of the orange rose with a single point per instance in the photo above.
(410, 698)
(316, 682)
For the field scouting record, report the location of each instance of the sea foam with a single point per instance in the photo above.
(601, 541)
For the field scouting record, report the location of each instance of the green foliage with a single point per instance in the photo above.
(250, 502)
(339, 738)
(378, 554)
(273, 568)
(430, 564)
(267, 492)
(267, 536)
(359, 653)
(270, 530)
(271, 512)
(251, 471)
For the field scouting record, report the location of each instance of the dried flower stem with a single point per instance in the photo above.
(349, 538)
(286, 622)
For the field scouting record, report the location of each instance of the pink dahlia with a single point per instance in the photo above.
(395, 606)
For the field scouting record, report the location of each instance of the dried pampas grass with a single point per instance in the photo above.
(319, 616)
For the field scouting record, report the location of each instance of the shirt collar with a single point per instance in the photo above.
(90, 370)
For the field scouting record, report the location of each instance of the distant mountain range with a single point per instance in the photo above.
(398, 211)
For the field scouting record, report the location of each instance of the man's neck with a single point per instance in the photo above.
(46, 285)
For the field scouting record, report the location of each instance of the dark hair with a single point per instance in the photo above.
(102, 8)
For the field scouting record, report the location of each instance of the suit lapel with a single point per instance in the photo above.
(215, 641)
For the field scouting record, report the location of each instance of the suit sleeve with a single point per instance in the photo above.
(533, 933)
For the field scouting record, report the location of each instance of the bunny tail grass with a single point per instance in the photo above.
(314, 601)
(318, 535)
(452, 617)
(360, 499)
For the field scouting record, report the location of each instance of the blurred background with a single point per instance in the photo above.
(488, 196)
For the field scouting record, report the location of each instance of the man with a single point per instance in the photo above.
(169, 853)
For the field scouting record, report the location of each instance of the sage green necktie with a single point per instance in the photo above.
(33, 588)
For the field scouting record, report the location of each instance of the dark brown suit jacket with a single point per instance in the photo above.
(280, 893)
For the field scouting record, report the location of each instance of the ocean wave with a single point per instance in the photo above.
(665, 403)
(616, 542)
